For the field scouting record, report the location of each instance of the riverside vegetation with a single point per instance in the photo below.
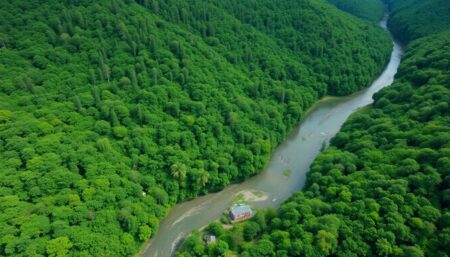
(112, 111)
(382, 187)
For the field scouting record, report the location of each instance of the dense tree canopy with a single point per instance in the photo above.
(112, 111)
(412, 19)
(371, 10)
(382, 187)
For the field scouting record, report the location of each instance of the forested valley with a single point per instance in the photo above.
(112, 111)
(382, 187)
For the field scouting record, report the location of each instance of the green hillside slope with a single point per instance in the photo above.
(382, 187)
(412, 19)
(113, 111)
(367, 9)
(329, 42)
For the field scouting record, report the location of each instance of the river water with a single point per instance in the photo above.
(296, 154)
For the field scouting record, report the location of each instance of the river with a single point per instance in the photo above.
(296, 154)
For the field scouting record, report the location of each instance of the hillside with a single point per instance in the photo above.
(382, 187)
(412, 19)
(372, 10)
(113, 111)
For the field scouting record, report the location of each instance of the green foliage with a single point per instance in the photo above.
(145, 232)
(58, 247)
(112, 111)
(219, 249)
(371, 10)
(251, 229)
(216, 229)
(413, 19)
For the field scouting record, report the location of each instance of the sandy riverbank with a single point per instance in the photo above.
(252, 196)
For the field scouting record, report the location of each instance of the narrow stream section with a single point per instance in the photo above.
(296, 155)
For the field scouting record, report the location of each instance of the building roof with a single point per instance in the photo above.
(211, 239)
(240, 209)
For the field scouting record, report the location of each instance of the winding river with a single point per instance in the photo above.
(296, 154)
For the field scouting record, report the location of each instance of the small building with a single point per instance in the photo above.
(210, 239)
(240, 212)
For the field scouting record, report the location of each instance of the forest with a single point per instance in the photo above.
(113, 111)
(412, 19)
(366, 9)
(382, 187)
